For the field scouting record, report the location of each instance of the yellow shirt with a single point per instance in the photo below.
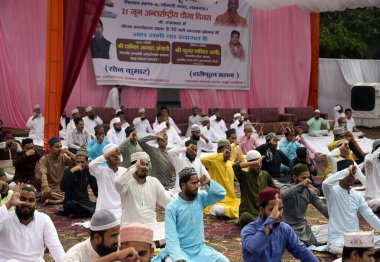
(331, 146)
(236, 153)
(223, 173)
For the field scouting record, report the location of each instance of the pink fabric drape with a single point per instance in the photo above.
(280, 65)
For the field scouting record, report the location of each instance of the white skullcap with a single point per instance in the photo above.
(205, 118)
(243, 111)
(317, 111)
(117, 111)
(36, 106)
(103, 219)
(108, 148)
(363, 239)
(88, 109)
(142, 110)
(195, 127)
(252, 155)
(237, 115)
(75, 111)
(246, 126)
(116, 120)
(139, 155)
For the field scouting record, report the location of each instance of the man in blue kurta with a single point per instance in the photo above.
(184, 228)
(266, 239)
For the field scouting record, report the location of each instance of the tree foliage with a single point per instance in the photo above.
(350, 34)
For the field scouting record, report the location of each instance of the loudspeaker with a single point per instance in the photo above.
(363, 98)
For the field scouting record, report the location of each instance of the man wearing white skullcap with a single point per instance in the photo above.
(140, 193)
(103, 240)
(317, 125)
(358, 247)
(71, 125)
(194, 119)
(108, 198)
(91, 121)
(116, 134)
(203, 143)
(238, 124)
(36, 123)
(142, 125)
(207, 130)
(251, 183)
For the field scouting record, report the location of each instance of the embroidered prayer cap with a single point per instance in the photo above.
(362, 239)
(375, 145)
(195, 127)
(54, 140)
(230, 132)
(246, 126)
(29, 188)
(237, 115)
(317, 111)
(116, 120)
(339, 130)
(75, 111)
(136, 232)
(103, 219)
(252, 155)
(299, 169)
(269, 136)
(88, 109)
(187, 171)
(301, 152)
(81, 152)
(139, 155)
(224, 142)
(289, 130)
(108, 148)
(36, 106)
(142, 110)
(26, 141)
(268, 194)
(191, 142)
(243, 111)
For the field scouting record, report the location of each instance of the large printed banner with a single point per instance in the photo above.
(176, 44)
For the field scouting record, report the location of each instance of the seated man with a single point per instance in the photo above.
(165, 126)
(317, 125)
(203, 143)
(136, 244)
(351, 126)
(247, 142)
(105, 175)
(116, 135)
(79, 138)
(70, 127)
(103, 240)
(236, 153)
(164, 112)
(25, 233)
(274, 158)
(194, 119)
(91, 121)
(129, 146)
(358, 247)
(51, 170)
(8, 149)
(220, 168)
(218, 125)
(74, 183)
(142, 124)
(120, 113)
(184, 225)
(5, 193)
(25, 164)
(251, 183)
(372, 171)
(303, 157)
(163, 168)
(36, 123)
(338, 112)
(140, 193)
(267, 238)
(344, 204)
(238, 124)
(296, 198)
(290, 144)
(95, 146)
(207, 131)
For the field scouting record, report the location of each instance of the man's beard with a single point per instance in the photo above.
(191, 195)
(91, 117)
(190, 157)
(143, 174)
(103, 251)
(240, 124)
(218, 118)
(117, 129)
(142, 118)
(24, 215)
(316, 118)
(196, 138)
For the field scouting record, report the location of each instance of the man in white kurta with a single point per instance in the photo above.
(36, 123)
(142, 124)
(141, 193)
(116, 134)
(108, 198)
(372, 171)
(91, 121)
(173, 137)
(182, 157)
(343, 206)
(24, 238)
(71, 125)
(164, 111)
(194, 119)
(113, 99)
(203, 143)
(219, 126)
(238, 124)
(207, 131)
